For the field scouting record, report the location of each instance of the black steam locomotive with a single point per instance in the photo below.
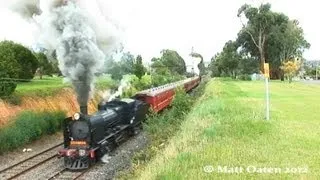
(88, 137)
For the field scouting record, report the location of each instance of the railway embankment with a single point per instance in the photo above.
(36, 116)
(63, 100)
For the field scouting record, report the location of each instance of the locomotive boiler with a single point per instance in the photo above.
(88, 137)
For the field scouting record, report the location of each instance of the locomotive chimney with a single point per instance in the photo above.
(84, 109)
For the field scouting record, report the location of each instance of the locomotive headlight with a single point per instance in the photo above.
(82, 152)
(76, 116)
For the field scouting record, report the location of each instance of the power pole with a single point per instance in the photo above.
(317, 70)
(192, 60)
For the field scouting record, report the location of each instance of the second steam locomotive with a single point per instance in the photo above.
(89, 137)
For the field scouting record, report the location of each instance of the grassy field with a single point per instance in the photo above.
(44, 86)
(49, 85)
(225, 135)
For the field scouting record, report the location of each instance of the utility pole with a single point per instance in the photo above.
(267, 76)
(150, 69)
(317, 70)
(192, 60)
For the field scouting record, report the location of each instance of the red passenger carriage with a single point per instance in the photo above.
(160, 97)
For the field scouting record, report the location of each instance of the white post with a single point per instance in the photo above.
(316, 72)
(267, 99)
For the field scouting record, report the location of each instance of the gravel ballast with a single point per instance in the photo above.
(118, 160)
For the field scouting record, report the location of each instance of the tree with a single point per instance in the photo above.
(9, 69)
(127, 63)
(139, 69)
(248, 65)
(163, 72)
(9, 66)
(258, 27)
(25, 62)
(114, 69)
(286, 42)
(55, 68)
(291, 68)
(45, 67)
(173, 61)
(213, 67)
(226, 62)
(270, 37)
(119, 68)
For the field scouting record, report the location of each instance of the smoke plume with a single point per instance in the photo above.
(25, 9)
(81, 33)
(196, 59)
(77, 50)
(77, 32)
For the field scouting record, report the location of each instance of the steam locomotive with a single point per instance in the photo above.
(88, 137)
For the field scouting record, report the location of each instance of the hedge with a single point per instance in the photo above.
(244, 77)
(7, 87)
(29, 126)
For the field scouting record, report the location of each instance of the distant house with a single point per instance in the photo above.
(312, 63)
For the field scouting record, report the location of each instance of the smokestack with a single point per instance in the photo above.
(84, 109)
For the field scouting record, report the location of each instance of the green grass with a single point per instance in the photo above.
(41, 87)
(29, 126)
(227, 128)
(50, 85)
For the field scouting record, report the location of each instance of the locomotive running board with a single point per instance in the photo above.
(121, 129)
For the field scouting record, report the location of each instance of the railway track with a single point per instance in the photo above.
(67, 174)
(22, 167)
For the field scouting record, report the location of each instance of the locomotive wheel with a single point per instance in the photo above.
(136, 129)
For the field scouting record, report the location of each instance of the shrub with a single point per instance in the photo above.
(29, 126)
(163, 125)
(17, 61)
(244, 77)
(7, 87)
(181, 103)
(14, 99)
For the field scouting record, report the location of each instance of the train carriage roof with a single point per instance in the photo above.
(157, 90)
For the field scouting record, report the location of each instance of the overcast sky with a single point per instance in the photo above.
(151, 25)
(207, 25)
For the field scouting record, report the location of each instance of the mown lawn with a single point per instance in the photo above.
(226, 133)
(49, 85)
(44, 86)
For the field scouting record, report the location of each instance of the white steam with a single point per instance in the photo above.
(124, 84)
(192, 67)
